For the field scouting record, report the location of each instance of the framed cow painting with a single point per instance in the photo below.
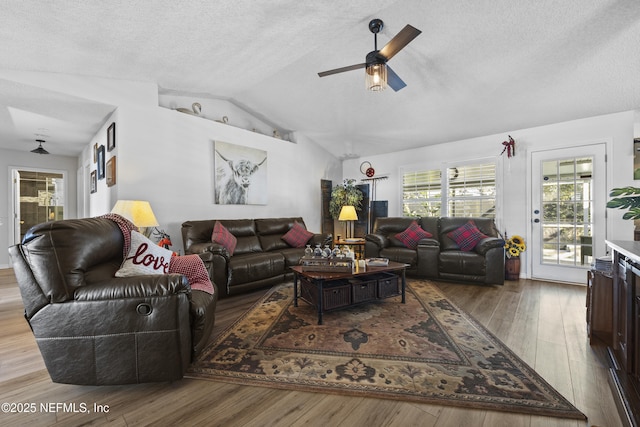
(240, 175)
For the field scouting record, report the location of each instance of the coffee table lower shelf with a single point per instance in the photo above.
(328, 292)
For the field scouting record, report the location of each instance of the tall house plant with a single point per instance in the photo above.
(345, 194)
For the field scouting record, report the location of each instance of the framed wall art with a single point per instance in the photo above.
(94, 182)
(636, 158)
(101, 162)
(240, 175)
(111, 137)
(111, 172)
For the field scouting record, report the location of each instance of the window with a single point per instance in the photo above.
(422, 193)
(469, 190)
(472, 190)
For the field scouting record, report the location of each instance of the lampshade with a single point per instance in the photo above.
(137, 211)
(376, 77)
(348, 213)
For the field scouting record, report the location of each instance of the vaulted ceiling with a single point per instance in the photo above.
(479, 67)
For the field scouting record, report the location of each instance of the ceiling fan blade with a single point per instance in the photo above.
(342, 70)
(393, 80)
(400, 40)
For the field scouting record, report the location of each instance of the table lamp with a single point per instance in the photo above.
(348, 213)
(138, 212)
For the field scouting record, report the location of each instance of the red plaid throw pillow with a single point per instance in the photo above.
(412, 235)
(467, 236)
(297, 236)
(223, 237)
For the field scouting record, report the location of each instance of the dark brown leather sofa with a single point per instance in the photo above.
(95, 328)
(440, 257)
(261, 257)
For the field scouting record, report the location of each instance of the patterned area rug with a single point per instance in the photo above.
(426, 350)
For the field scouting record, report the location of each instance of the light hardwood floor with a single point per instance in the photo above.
(544, 323)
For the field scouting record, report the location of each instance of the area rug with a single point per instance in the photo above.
(426, 351)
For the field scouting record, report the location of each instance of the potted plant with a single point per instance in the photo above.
(626, 198)
(345, 194)
(513, 246)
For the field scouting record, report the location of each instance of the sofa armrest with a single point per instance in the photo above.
(429, 241)
(321, 239)
(212, 247)
(428, 250)
(487, 244)
(377, 239)
(111, 288)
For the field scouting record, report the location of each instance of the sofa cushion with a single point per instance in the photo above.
(252, 267)
(144, 257)
(292, 256)
(412, 235)
(403, 255)
(297, 236)
(224, 237)
(467, 236)
(265, 226)
(458, 262)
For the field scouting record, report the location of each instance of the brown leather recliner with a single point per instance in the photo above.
(95, 328)
(439, 257)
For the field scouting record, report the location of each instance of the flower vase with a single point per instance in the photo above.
(512, 268)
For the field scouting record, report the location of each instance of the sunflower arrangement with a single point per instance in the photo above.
(514, 246)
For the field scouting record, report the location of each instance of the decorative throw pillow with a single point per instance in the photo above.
(467, 236)
(412, 235)
(297, 236)
(223, 237)
(144, 257)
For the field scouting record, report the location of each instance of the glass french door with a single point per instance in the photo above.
(38, 196)
(568, 218)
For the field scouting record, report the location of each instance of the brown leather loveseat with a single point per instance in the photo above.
(261, 257)
(439, 256)
(95, 328)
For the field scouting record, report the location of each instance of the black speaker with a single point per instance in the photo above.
(379, 208)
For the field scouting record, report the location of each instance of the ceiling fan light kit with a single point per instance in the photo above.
(377, 73)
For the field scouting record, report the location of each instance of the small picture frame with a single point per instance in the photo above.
(95, 152)
(94, 182)
(101, 162)
(111, 172)
(111, 137)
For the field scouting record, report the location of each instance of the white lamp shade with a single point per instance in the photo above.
(348, 213)
(137, 211)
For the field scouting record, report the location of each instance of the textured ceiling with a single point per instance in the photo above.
(479, 67)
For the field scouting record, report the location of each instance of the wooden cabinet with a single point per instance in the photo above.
(624, 351)
(600, 307)
(622, 312)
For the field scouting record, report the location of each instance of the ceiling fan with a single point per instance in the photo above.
(378, 74)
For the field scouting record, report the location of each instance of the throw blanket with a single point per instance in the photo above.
(190, 266)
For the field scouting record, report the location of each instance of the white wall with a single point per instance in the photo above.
(616, 130)
(10, 159)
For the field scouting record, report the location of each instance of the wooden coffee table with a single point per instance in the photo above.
(329, 291)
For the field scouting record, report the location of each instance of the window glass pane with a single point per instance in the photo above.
(472, 190)
(422, 193)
